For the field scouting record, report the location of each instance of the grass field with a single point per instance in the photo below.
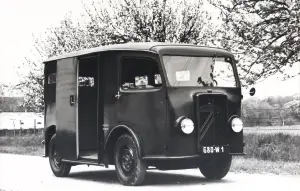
(268, 152)
(27, 145)
(252, 165)
(273, 146)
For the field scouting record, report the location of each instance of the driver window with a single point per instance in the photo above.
(140, 73)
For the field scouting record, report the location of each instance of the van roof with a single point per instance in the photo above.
(136, 46)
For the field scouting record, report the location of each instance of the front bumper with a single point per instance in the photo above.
(163, 157)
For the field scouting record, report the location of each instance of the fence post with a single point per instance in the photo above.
(34, 127)
(20, 132)
(14, 128)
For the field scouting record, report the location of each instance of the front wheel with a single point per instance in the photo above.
(215, 167)
(59, 168)
(130, 168)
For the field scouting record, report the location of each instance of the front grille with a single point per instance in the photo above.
(211, 112)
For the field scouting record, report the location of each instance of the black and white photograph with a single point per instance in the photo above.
(149, 95)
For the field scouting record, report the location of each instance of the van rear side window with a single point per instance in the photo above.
(52, 78)
(86, 81)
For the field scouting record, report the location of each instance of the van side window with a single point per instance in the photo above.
(50, 82)
(52, 78)
(86, 81)
(140, 73)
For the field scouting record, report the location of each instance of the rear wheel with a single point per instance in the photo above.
(130, 168)
(215, 167)
(59, 168)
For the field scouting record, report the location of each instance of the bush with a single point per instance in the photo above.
(25, 145)
(22, 141)
(273, 147)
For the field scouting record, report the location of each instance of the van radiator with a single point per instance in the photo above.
(212, 118)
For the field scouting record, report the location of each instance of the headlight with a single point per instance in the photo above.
(187, 126)
(237, 125)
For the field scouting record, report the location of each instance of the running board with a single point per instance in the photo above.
(89, 155)
(84, 161)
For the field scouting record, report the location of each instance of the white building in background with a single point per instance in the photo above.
(24, 120)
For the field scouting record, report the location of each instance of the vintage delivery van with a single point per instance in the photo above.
(141, 105)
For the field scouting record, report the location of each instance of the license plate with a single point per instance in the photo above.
(213, 149)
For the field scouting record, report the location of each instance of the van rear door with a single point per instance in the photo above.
(66, 108)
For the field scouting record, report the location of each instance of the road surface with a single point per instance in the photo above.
(19, 172)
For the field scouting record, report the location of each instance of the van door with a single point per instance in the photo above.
(90, 107)
(141, 103)
(66, 108)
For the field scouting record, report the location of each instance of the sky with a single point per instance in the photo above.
(20, 19)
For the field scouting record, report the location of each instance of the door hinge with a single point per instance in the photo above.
(105, 127)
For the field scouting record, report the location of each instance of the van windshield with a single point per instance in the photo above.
(199, 71)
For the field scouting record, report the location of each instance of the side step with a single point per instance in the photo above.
(84, 161)
(88, 155)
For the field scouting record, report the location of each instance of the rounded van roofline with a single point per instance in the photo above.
(136, 46)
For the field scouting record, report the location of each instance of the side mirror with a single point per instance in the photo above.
(252, 91)
(157, 79)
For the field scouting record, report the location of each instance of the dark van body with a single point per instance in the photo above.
(143, 104)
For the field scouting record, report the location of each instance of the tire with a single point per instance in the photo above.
(59, 168)
(215, 167)
(130, 168)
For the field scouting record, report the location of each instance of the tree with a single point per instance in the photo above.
(32, 86)
(271, 111)
(294, 107)
(1, 90)
(114, 23)
(264, 35)
(11, 104)
(1, 94)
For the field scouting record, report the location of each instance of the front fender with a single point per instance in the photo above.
(48, 133)
(119, 130)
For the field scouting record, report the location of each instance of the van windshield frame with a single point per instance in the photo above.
(184, 74)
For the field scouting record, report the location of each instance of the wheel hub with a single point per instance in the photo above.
(127, 160)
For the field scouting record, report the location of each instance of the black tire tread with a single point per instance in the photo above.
(65, 168)
(216, 168)
(140, 170)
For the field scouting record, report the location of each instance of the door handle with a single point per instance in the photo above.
(72, 100)
(118, 95)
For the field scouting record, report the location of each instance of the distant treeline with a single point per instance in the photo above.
(271, 111)
(12, 104)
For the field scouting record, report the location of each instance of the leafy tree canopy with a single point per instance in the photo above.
(112, 23)
(264, 34)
